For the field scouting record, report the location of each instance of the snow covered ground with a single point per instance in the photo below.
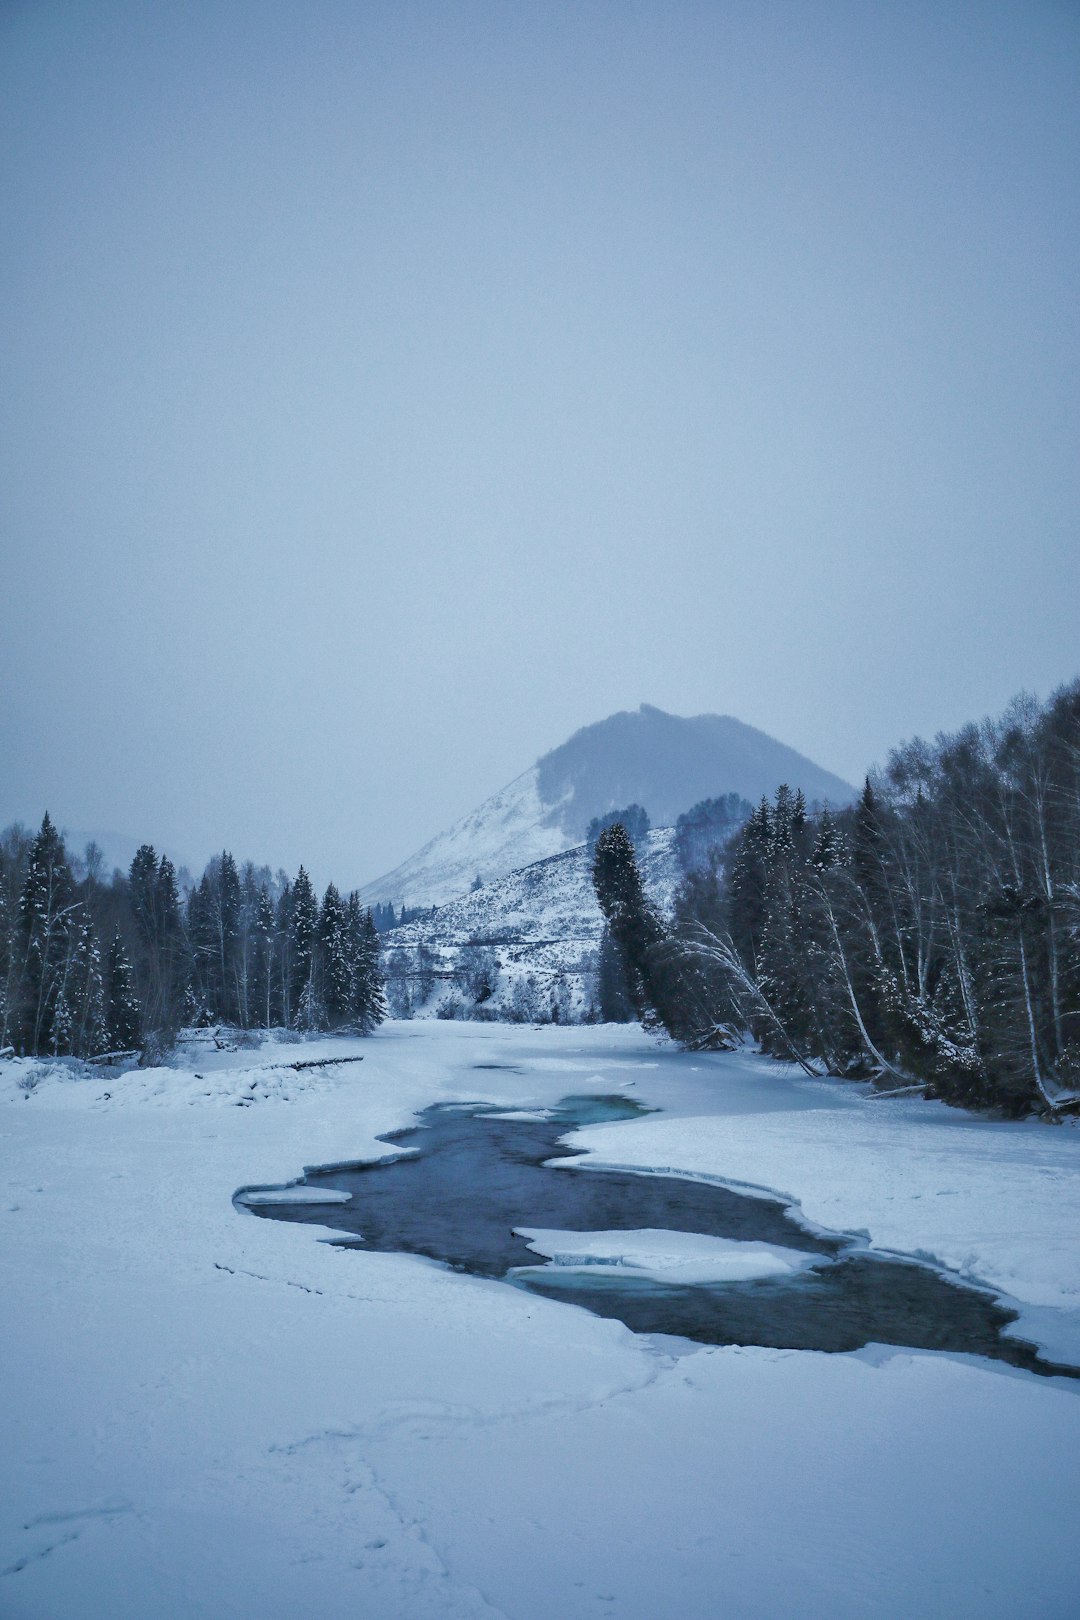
(216, 1416)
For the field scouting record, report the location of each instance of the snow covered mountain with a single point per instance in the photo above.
(509, 830)
(663, 761)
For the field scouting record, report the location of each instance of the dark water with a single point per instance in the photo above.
(467, 1178)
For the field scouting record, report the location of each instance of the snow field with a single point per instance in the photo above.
(210, 1415)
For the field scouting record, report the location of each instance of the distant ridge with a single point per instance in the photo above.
(663, 761)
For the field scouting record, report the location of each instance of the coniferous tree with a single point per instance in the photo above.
(613, 999)
(122, 1003)
(83, 996)
(284, 968)
(205, 1000)
(161, 964)
(336, 958)
(748, 873)
(305, 998)
(635, 928)
(48, 913)
(263, 979)
(369, 1003)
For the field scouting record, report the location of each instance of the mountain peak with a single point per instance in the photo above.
(668, 762)
(665, 762)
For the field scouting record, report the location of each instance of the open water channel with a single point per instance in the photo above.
(468, 1177)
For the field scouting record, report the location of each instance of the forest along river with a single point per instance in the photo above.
(471, 1178)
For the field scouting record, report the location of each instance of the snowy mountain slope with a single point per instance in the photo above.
(509, 830)
(541, 921)
(662, 761)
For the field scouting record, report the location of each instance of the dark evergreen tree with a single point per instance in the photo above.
(305, 991)
(47, 926)
(336, 959)
(161, 963)
(122, 1002)
(748, 872)
(635, 929)
(368, 990)
(284, 970)
(613, 998)
(205, 997)
(263, 977)
(79, 1026)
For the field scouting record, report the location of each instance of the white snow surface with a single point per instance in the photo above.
(670, 1257)
(213, 1415)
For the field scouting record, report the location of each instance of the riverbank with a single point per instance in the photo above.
(213, 1415)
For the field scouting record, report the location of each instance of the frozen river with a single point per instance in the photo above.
(211, 1416)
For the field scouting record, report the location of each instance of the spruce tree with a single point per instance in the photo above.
(263, 986)
(635, 928)
(227, 938)
(284, 972)
(369, 1004)
(122, 1003)
(85, 994)
(48, 913)
(748, 872)
(162, 966)
(337, 967)
(613, 1000)
(307, 1008)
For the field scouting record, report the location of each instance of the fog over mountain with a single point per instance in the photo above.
(665, 762)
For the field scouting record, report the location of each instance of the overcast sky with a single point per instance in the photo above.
(389, 390)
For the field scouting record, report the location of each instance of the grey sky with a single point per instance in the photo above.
(390, 389)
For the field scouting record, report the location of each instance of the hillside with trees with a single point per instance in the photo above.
(927, 937)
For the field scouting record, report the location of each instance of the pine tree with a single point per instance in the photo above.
(369, 1004)
(122, 1006)
(227, 938)
(782, 964)
(337, 965)
(162, 965)
(306, 1005)
(204, 999)
(48, 913)
(635, 928)
(85, 994)
(613, 999)
(263, 991)
(746, 885)
(284, 974)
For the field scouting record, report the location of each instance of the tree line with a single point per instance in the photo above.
(926, 936)
(239, 946)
